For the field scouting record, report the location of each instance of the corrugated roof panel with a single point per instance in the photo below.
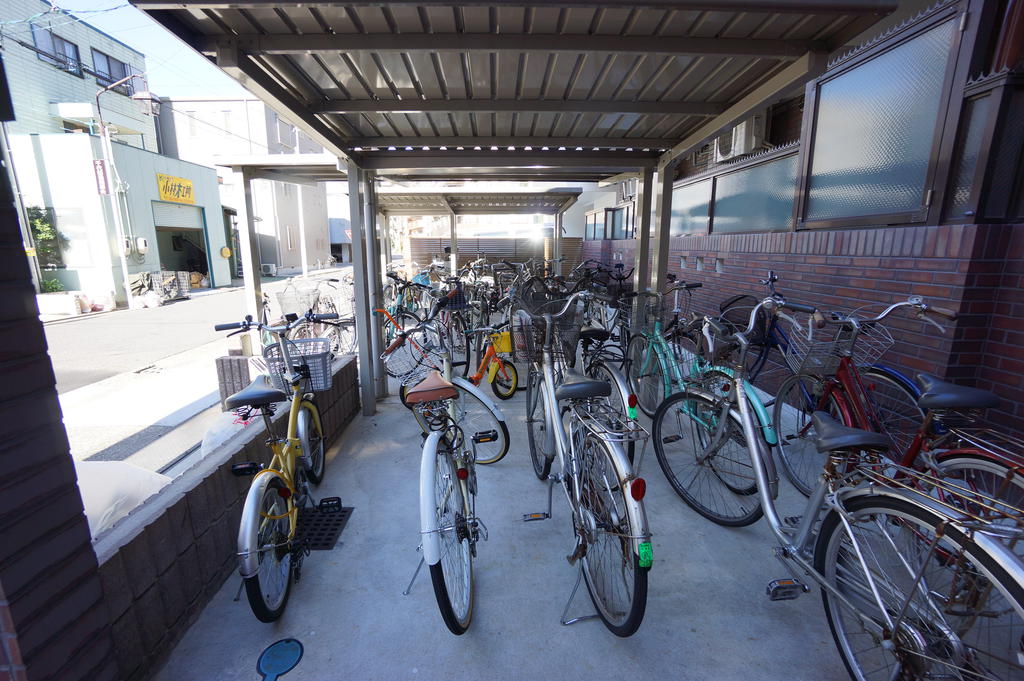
(406, 18)
(510, 19)
(393, 70)
(475, 19)
(371, 20)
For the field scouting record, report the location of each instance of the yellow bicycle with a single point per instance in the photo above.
(270, 545)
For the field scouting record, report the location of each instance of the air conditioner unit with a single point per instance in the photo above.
(745, 138)
(268, 269)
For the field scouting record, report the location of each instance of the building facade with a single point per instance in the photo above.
(211, 131)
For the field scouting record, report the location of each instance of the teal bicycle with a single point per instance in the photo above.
(662, 361)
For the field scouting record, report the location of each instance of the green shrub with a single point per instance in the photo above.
(51, 286)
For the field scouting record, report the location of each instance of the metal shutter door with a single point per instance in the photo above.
(176, 216)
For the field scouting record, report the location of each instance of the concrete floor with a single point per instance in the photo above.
(707, 615)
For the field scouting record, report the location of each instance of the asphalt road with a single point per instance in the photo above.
(89, 349)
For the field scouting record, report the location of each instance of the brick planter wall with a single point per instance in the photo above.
(157, 578)
(977, 270)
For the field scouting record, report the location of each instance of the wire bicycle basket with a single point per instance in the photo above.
(864, 347)
(528, 335)
(312, 355)
(419, 352)
(295, 300)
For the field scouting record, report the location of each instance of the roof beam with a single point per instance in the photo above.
(517, 105)
(517, 142)
(879, 7)
(457, 160)
(798, 73)
(250, 76)
(510, 42)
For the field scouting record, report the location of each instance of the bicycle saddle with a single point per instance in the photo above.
(579, 387)
(259, 393)
(432, 387)
(938, 394)
(595, 333)
(832, 435)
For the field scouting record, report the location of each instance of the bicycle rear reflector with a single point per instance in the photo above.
(462, 473)
(631, 402)
(638, 488)
(646, 554)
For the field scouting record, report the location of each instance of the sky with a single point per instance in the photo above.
(172, 68)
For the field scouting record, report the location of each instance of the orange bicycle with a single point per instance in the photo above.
(501, 373)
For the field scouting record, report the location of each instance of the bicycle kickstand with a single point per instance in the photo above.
(529, 517)
(419, 566)
(565, 612)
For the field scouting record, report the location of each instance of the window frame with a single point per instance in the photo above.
(127, 88)
(57, 59)
(947, 119)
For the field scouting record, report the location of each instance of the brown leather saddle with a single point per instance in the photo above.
(433, 387)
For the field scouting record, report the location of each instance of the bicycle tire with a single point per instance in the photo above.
(646, 374)
(265, 606)
(474, 417)
(312, 442)
(988, 476)
(458, 345)
(506, 381)
(348, 337)
(609, 561)
(600, 371)
(936, 632)
(537, 426)
(894, 405)
(452, 576)
(707, 486)
(802, 463)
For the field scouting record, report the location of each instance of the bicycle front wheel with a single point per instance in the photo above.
(798, 398)
(506, 380)
(452, 576)
(895, 405)
(707, 462)
(955, 609)
(474, 417)
(611, 568)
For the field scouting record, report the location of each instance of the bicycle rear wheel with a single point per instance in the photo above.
(268, 590)
(713, 475)
(542, 451)
(960, 620)
(611, 568)
(452, 576)
(895, 406)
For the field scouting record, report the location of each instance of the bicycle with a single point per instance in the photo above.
(912, 587)
(585, 436)
(501, 373)
(449, 526)
(270, 545)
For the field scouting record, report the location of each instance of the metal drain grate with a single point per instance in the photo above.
(322, 529)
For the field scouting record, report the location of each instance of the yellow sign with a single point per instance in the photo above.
(225, 252)
(176, 189)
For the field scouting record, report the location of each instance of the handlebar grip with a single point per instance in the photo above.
(392, 275)
(631, 294)
(696, 284)
(818, 319)
(228, 326)
(325, 316)
(800, 307)
(718, 329)
(394, 344)
(943, 312)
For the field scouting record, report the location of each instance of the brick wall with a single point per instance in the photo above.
(157, 579)
(974, 269)
(51, 620)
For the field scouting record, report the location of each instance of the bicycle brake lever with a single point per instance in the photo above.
(921, 315)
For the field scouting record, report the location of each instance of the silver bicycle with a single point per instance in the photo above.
(613, 543)
(914, 586)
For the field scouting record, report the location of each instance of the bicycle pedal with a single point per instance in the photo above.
(485, 436)
(786, 589)
(529, 517)
(245, 469)
(792, 520)
(329, 505)
(669, 439)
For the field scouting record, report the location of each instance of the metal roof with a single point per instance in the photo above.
(494, 203)
(514, 81)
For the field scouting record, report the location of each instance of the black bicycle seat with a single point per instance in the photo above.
(832, 435)
(259, 393)
(579, 387)
(939, 394)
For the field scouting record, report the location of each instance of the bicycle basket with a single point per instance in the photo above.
(822, 357)
(528, 336)
(502, 342)
(525, 344)
(312, 353)
(298, 301)
(420, 352)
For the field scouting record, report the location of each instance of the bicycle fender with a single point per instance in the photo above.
(316, 416)
(1006, 558)
(763, 417)
(463, 384)
(635, 509)
(248, 528)
(428, 517)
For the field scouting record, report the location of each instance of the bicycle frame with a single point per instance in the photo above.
(491, 364)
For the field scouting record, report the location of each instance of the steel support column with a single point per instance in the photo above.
(374, 280)
(302, 232)
(454, 242)
(641, 267)
(662, 224)
(361, 304)
(248, 244)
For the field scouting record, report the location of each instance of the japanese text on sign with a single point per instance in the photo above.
(176, 189)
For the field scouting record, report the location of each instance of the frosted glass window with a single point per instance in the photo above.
(758, 199)
(690, 208)
(874, 131)
(976, 116)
